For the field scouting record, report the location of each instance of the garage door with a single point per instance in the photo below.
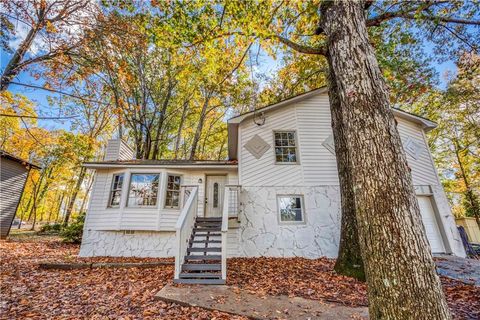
(431, 226)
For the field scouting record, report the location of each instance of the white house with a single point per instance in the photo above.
(277, 196)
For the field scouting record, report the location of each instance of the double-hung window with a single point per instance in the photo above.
(116, 190)
(143, 190)
(290, 208)
(285, 147)
(172, 197)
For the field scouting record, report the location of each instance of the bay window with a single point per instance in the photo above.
(143, 190)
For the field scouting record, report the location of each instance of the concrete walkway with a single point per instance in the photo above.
(235, 301)
(465, 270)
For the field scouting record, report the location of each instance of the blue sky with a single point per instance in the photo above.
(267, 66)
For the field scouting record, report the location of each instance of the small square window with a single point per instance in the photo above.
(285, 147)
(291, 208)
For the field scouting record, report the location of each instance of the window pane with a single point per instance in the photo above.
(285, 147)
(115, 198)
(215, 195)
(143, 190)
(172, 196)
(116, 190)
(290, 209)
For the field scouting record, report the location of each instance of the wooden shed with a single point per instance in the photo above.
(13, 176)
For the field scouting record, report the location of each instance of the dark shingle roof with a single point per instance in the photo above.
(6, 155)
(164, 162)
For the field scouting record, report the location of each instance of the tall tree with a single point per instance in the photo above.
(53, 29)
(455, 141)
(398, 262)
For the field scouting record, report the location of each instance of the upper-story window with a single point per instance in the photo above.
(285, 147)
(116, 190)
(143, 189)
(172, 198)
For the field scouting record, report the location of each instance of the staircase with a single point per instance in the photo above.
(203, 262)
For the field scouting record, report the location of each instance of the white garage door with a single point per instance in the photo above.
(431, 226)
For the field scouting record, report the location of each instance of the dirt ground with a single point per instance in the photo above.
(27, 292)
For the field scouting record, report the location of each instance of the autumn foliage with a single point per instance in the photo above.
(26, 291)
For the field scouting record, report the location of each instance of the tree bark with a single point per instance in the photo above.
(12, 69)
(198, 131)
(399, 267)
(71, 203)
(469, 193)
(349, 261)
(180, 128)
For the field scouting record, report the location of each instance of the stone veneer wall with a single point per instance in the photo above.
(118, 244)
(262, 234)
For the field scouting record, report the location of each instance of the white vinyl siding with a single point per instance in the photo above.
(158, 218)
(312, 121)
(314, 126)
(118, 150)
(423, 171)
(264, 171)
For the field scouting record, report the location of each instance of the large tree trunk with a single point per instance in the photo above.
(198, 131)
(75, 191)
(349, 261)
(469, 193)
(13, 67)
(180, 128)
(399, 267)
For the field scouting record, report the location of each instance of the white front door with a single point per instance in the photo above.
(214, 195)
(430, 223)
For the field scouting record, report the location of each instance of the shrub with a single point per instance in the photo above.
(74, 231)
(53, 228)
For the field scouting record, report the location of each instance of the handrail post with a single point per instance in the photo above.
(183, 228)
(225, 232)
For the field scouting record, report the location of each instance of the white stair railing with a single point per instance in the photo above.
(225, 232)
(232, 195)
(184, 228)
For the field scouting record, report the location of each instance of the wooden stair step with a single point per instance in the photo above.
(203, 257)
(199, 281)
(208, 249)
(207, 229)
(215, 219)
(208, 225)
(204, 234)
(206, 241)
(204, 275)
(202, 267)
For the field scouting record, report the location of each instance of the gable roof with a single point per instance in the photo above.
(233, 122)
(6, 155)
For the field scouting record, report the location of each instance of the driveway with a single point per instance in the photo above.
(465, 270)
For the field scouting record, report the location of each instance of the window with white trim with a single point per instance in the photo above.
(116, 190)
(143, 190)
(290, 208)
(285, 147)
(172, 198)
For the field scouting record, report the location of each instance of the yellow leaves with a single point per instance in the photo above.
(50, 27)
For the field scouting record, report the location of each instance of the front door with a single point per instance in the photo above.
(214, 196)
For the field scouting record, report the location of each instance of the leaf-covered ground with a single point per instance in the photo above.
(29, 292)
